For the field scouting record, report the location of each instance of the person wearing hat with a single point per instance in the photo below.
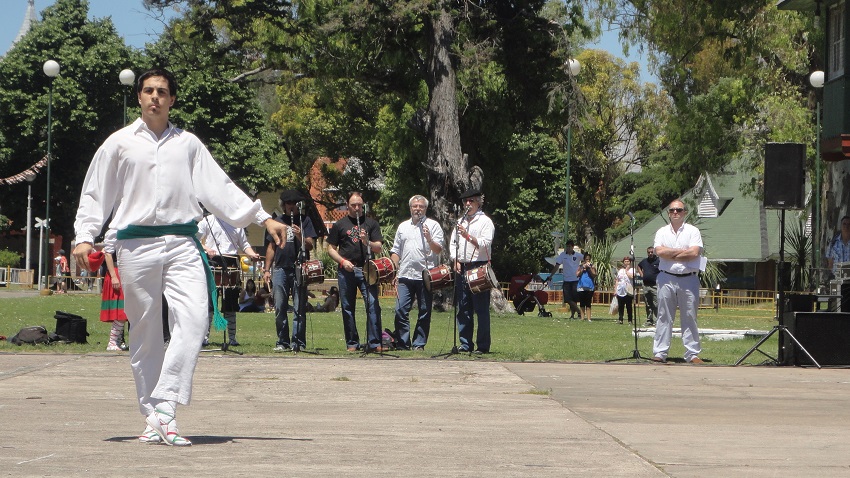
(570, 260)
(60, 263)
(471, 246)
(280, 269)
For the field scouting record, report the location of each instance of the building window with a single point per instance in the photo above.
(836, 41)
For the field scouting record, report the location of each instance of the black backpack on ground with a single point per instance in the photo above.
(31, 335)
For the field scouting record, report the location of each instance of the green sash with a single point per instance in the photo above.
(189, 229)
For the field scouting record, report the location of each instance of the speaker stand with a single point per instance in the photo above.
(775, 361)
(780, 306)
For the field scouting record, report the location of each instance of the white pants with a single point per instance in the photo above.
(682, 293)
(151, 268)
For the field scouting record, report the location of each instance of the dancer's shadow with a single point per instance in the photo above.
(212, 439)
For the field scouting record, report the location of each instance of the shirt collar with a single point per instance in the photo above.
(140, 125)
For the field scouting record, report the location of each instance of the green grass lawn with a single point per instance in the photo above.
(515, 337)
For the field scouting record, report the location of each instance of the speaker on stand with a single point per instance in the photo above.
(783, 189)
(784, 175)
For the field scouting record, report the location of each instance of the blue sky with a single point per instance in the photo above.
(138, 26)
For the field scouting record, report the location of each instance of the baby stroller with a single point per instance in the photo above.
(525, 300)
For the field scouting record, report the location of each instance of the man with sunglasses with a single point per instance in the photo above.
(679, 248)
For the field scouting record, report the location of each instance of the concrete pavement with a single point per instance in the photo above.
(76, 415)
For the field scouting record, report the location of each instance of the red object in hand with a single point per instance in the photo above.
(95, 260)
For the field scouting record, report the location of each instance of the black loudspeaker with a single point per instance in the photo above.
(825, 335)
(784, 175)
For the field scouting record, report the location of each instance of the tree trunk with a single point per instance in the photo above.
(448, 170)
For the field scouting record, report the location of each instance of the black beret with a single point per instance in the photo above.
(290, 195)
(470, 193)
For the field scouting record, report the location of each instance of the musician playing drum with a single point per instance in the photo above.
(471, 247)
(281, 263)
(222, 243)
(350, 241)
(416, 248)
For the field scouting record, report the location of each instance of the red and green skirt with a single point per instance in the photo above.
(112, 303)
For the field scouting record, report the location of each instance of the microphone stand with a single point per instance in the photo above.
(367, 297)
(457, 284)
(225, 283)
(635, 353)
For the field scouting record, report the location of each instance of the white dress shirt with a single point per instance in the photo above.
(479, 226)
(685, 237)
(414, 252)
(154, 182)
(219, 236)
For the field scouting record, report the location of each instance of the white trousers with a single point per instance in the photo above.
(151, 268)
(677, 293)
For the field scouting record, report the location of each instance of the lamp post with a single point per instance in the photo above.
(126, 77)
(30, 177)
(816, 79)
(51, 69)
(574, 67)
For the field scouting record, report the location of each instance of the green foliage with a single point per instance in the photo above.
(225, 114)
(799, 252)
(9, 258)
(737, 73)
(601, 252)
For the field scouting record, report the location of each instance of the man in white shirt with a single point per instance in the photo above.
(471, 247)
(416, 248)
(151, 176)
(679, 248)
(222, 243)
(570, 261)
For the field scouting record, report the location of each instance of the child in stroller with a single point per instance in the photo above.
(525, 300)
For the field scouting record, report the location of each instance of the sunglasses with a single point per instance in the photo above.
(676, 209)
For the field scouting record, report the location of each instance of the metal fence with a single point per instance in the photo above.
(9, 275)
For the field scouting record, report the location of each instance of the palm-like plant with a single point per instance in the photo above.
(799, 250)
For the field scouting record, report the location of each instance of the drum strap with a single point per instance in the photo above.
(189, 229)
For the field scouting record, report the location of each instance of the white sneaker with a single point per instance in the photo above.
(165, 426)
(149, 436)
(113, 348)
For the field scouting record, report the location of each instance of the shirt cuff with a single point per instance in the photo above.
(261, 216)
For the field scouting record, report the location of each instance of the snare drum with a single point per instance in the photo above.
(437, 278)
(226, 270)
(226, 277)
(312, 272)
(481, 279)
(380, 270)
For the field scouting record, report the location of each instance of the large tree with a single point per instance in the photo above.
(737, 73)
(430, 95)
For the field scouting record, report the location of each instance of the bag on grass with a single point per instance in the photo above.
(614, 308)
(71, 327)
(31, 335)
